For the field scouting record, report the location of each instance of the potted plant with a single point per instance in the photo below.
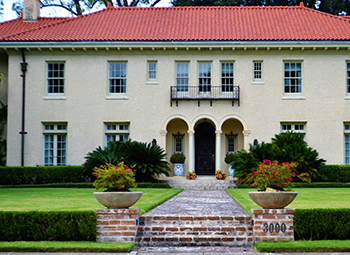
(178, 159)
(228, 160)
(271, 179)
(220, 175)
(113, 183)
(191, 175)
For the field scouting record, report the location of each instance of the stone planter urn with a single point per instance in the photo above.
(115, 200)
(276, 200)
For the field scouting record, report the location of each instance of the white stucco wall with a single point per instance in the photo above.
(262, 107)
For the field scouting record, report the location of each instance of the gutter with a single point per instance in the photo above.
(24, 65)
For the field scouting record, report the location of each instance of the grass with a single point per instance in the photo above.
(307, 198)
(54, 246)
(72, 199)
(304, 246)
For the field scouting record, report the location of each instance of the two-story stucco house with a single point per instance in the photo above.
(204, 81)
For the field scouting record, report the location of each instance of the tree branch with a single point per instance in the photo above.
(62, 6)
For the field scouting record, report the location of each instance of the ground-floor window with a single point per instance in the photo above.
(116, 132)
(231, 141)
(178, 142)
(295, 127)
(55, 144)
(347, 143)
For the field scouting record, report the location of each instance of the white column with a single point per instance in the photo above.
(191, 150)
(218, 150)
(246, 134)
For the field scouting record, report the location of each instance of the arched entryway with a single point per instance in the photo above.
(205, 149)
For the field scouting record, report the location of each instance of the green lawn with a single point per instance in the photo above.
(307, 198)
(71, 199)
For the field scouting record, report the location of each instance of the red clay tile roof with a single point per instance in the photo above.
(185, 24)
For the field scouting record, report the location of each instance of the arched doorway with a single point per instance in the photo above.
(205, 149)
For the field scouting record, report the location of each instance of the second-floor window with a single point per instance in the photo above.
(257, 71)
(117, 78)
(182, 76)
(152, 70)
(204, 77)
(227, 77)
(348, 78)
(292, 78)
(55, 78)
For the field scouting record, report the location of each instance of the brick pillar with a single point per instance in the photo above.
(273, 224)
(116, 225)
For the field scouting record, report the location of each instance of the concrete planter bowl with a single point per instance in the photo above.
(116, 200)
(276, 200)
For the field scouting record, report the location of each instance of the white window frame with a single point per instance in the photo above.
(347, 79)
(227, 87)
(256, 71)
(180, 79)
(293, 79)
(347, 143)
(204, 87)
(56, 131)
(53, 78)
(228, 151)
(178, 138)
(111, 77)
(116, 129)
(152, 70)
(296, 127)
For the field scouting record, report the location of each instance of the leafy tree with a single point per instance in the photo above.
(3, 120)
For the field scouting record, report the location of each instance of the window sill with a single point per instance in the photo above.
(117, 98)
(347, 97)
(258, 83)
(293, 98)
(54, 98)
(152, 83)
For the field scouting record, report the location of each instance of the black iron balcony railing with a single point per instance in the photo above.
(204, 92)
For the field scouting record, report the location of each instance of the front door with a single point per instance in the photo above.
(205, 149)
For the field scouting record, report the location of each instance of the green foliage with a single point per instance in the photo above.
(334, 173)
(113, 178)
(50, 226)
(178, 158)
(13, 175)
(321, 224)
(229, 158)
(148, 161)
(153, 185)
(3, 144)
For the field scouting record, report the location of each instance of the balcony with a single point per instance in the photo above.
(204, 92)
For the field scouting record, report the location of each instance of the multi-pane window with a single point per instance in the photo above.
(152, 70)
(204, 76)
(55, 143)
(294, 127)
(178, 142)
(257, 70)
(231, 139)
(182, 76)
(116, 132)
(348, 78)
(292, 78)
(117, 78)
(347, 143)
(55, 78)
(227, 77)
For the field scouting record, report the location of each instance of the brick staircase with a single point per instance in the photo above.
(189, 230)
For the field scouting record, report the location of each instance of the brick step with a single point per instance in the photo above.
(194, 240)
(195, 220)
(196, 230)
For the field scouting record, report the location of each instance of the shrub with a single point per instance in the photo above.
(178, 158)
(229, 158)
(334, 173)
(13, 175)
(321, 224)
(48, 226)
(148, 161)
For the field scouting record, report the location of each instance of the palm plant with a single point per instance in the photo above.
(148, 161)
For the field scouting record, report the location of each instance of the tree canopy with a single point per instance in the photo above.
(336, 7)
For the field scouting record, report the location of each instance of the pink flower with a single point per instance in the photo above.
(254, 185)
(95, 175)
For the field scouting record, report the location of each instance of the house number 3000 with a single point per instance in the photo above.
(274, 227)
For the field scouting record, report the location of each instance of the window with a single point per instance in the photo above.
(347, 143)
(55, 78)
(116, 132)
(178, 142)
(117, 78)
(152, 70)
(348, 78)
(55, 142)
(227, 77)
(292, 78)
(182, 76)
(257, 70)
(295, 127)
(231, 139)
(204, 77)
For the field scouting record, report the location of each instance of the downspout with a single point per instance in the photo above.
(24, 65)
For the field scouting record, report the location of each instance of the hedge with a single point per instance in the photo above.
(48, 226)
(307, 185)
(321, 224)
(12, 175)
(334, 173)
